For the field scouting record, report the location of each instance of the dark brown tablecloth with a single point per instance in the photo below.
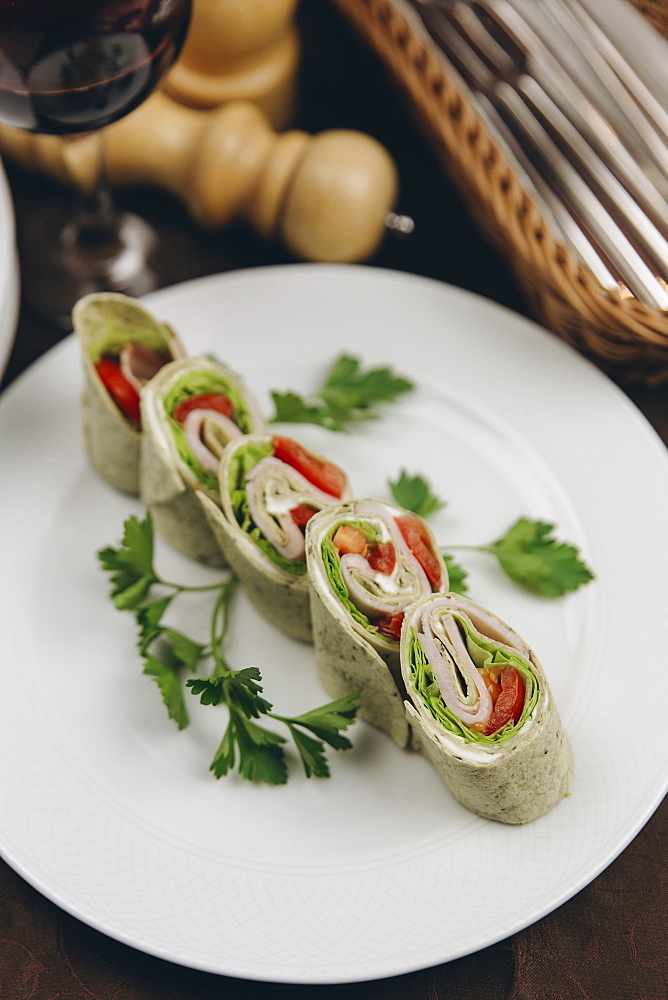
(610, 941)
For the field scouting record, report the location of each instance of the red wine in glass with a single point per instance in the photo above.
(74, 66)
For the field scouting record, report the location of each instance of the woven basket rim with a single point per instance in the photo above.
(626, 337)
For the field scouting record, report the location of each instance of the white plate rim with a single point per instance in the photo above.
(9, 272)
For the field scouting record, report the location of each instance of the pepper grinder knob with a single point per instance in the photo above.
(326, 196)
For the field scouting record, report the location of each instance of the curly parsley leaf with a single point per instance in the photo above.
(326, 724)
(531, 556)
(311, 752)
(328, 720)
(256, 751)
(457, 575)
(240, 688)
(245, 691)
(185, 650)
(149, 618)
(176, 652)
(131, 565)
(350, 389)
(290, 408)
(348, 395)
(167, 678)
(209, 689)
(225, 756)
(414, 493)
(261, 755)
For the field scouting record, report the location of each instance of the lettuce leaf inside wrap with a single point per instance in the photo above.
(199, 383)
(485, 653)
(111, 341)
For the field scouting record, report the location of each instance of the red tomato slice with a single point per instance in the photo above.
(510, 702)
(123, 393)
(382, 558)
(302, 514)
(416, 536)
(325, 475)
(390, 625)
(216, 401)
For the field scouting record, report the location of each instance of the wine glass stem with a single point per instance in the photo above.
(66, 254)
(97, 219)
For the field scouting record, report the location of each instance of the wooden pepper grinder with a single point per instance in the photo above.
(239, 50)
(327, 197)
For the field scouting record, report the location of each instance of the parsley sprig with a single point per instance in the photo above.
(349, 394)
(257, 751)
(457, 575)
(531, 556)
(414, 493)
(528, 553)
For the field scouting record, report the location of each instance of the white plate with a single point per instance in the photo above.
(9, 273)
(111, 813)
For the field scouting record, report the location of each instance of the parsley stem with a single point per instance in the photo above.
(287, 720)
(180, 588)
(220, 620)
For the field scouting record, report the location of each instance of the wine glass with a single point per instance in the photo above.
(69, 68)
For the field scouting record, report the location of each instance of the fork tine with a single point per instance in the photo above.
(603, 190)
(653, 109)
(608, 82)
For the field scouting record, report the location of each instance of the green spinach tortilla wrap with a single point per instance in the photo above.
(270, 488)
(123, 346)
(482, 711)
(190, 411)
(367, 561)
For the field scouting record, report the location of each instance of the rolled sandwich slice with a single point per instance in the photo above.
(367, 561)
(122, 347)
(482, 711)
(190, 411)
(270, 487)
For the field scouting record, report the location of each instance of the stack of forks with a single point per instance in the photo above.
(575, 92)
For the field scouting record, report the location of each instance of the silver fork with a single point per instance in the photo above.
(596, 67)
(565, 138)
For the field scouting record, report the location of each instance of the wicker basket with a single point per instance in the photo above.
(626, 338)
(656, 12)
